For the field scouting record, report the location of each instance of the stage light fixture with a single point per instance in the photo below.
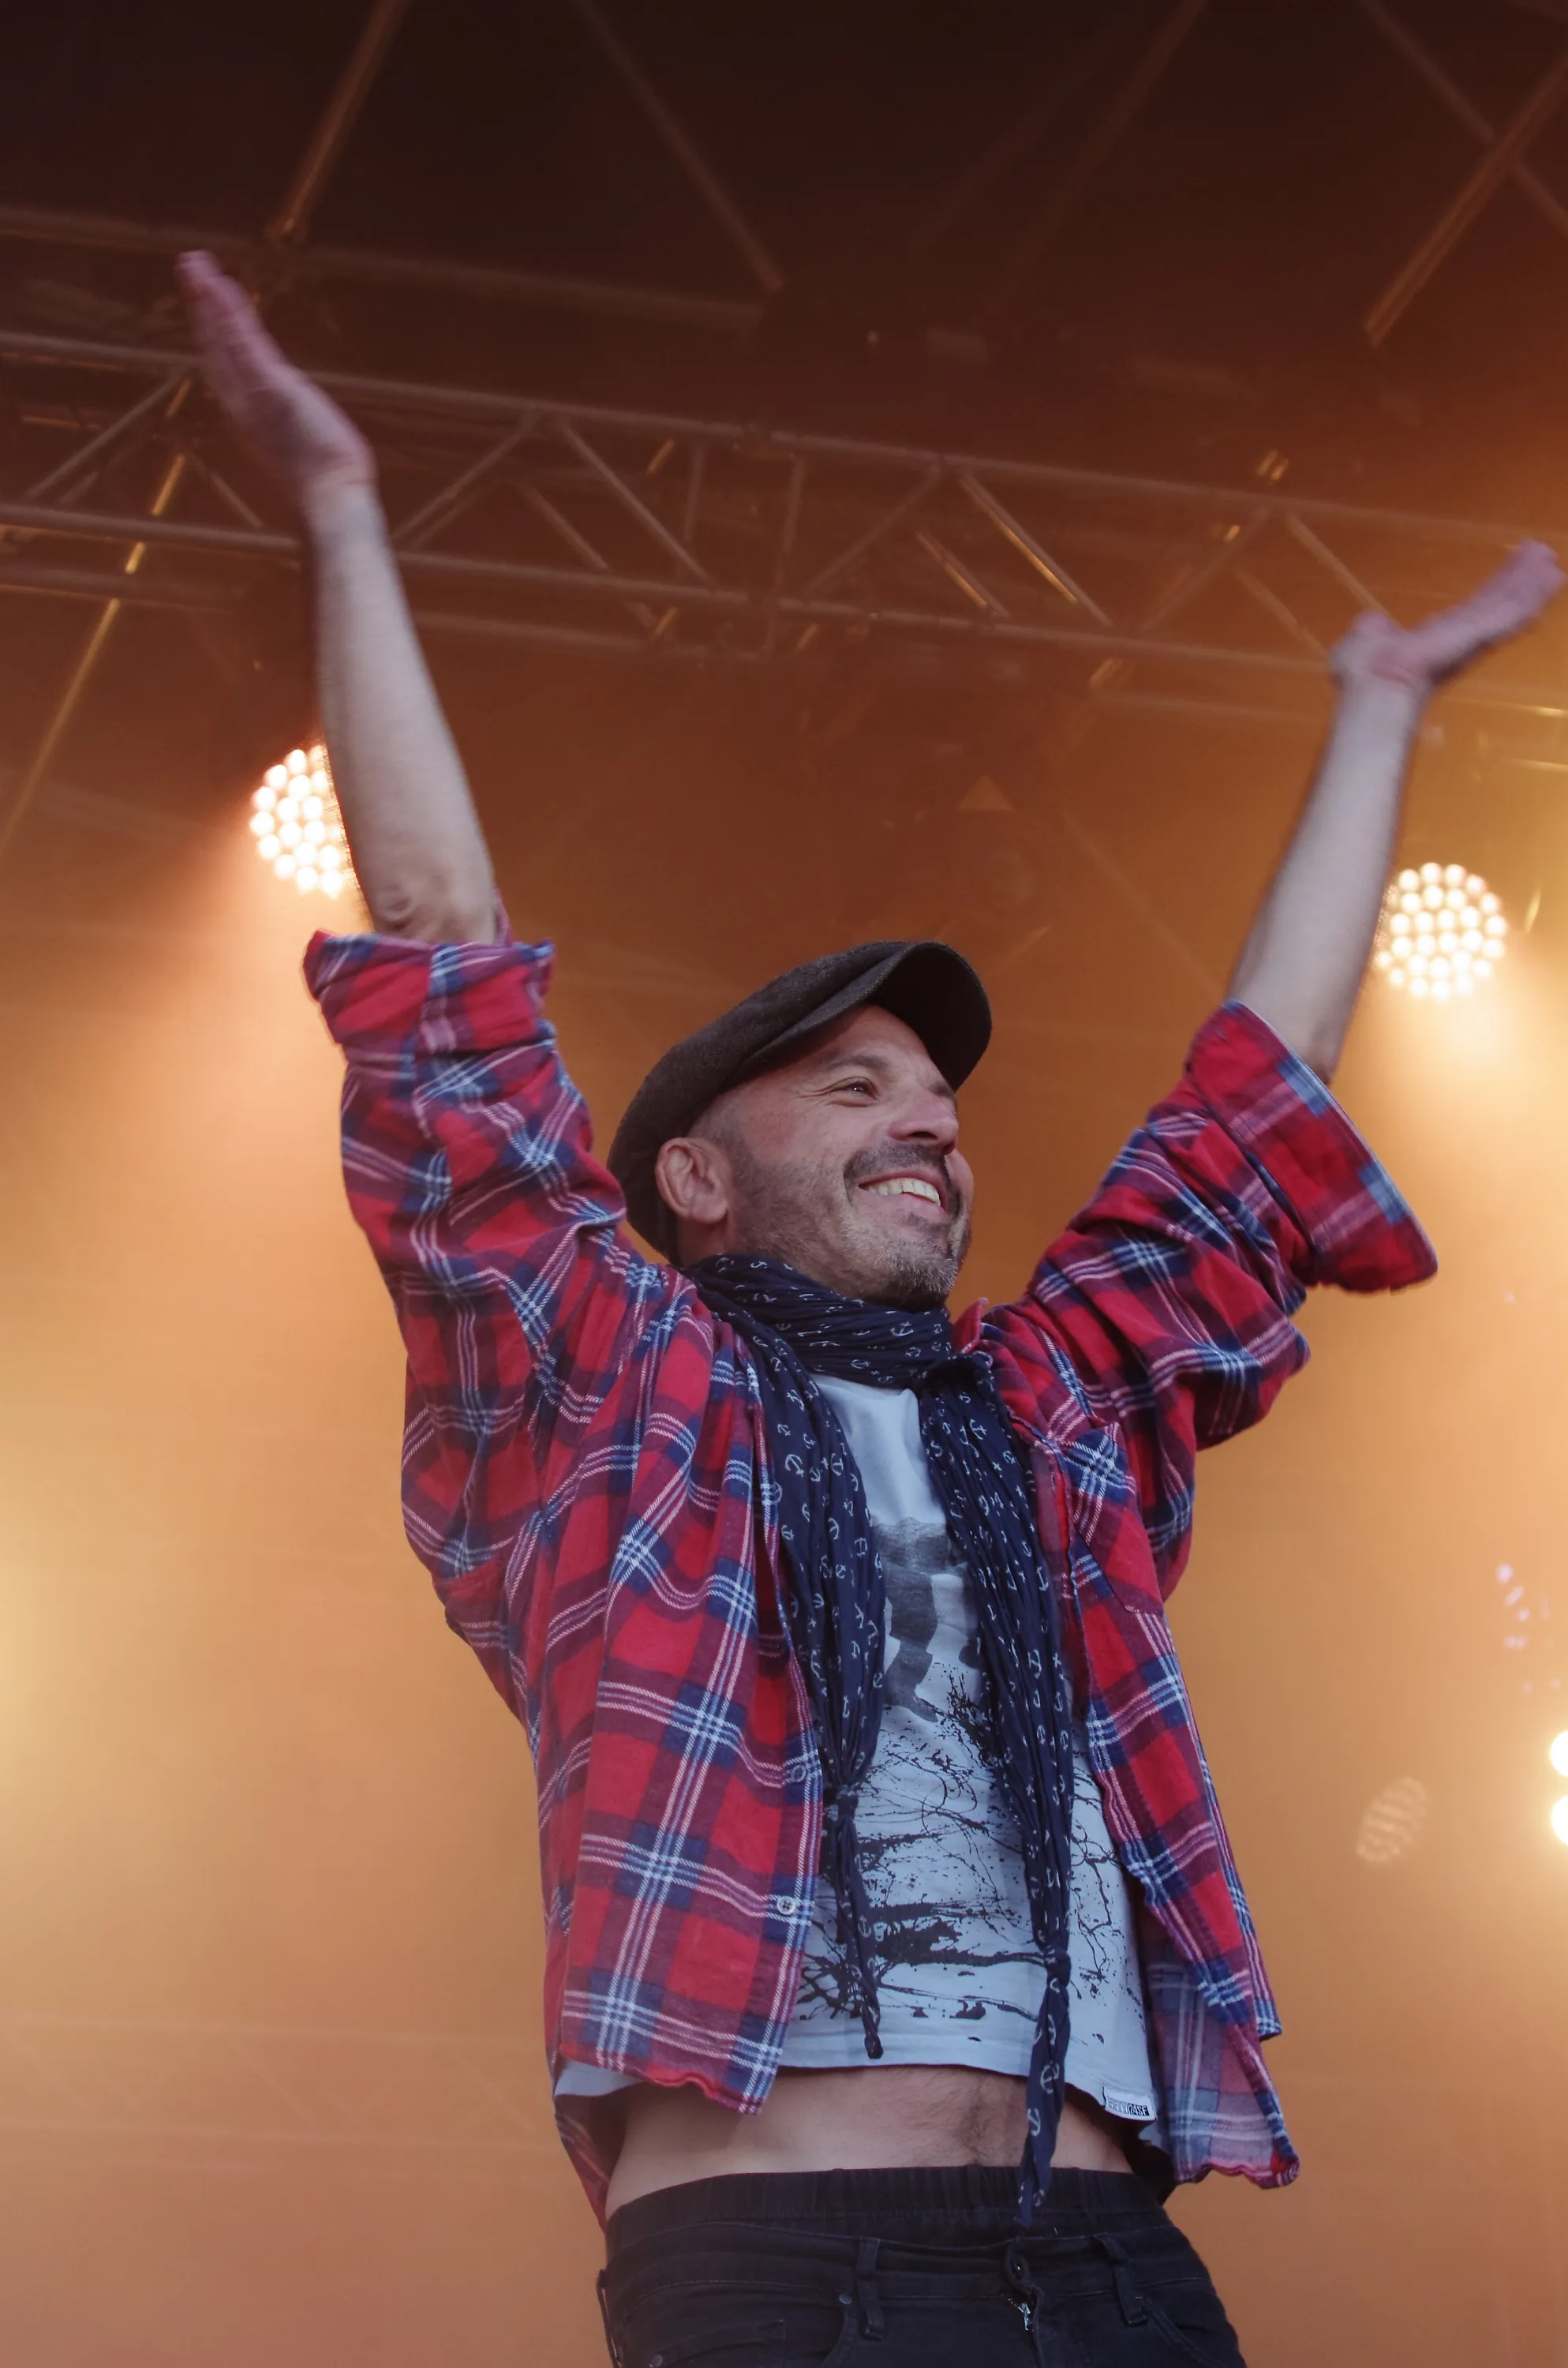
(1441, 933)
(297, 828)
(1557, 1752)
(1560, 1818)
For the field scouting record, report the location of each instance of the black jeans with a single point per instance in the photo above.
(907, 2269)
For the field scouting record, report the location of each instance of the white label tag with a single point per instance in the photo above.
(1128, 2107)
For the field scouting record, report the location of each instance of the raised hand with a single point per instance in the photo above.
(418, 850)
(282, 414)
(1421, 656)
(1302, 966)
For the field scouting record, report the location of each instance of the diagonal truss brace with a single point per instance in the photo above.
(522, 516)
(1506, 152)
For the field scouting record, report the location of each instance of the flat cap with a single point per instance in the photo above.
(926, 984)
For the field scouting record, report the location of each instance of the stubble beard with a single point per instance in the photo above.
(779, 1204)
(917, 1278)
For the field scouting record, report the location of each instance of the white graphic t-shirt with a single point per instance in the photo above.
(960, 1978)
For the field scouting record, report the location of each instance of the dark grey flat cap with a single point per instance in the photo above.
(925, 984)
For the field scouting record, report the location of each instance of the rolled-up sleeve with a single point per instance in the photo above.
(1165, 1307)
(468, 1157)
(1352, 1225)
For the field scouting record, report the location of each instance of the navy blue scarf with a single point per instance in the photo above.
(795, 1327)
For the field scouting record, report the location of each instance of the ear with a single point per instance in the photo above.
(693, 1177)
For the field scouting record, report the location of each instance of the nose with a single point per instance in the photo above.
(928, 1117)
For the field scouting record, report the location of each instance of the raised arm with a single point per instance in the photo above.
(418, 847)
(1303, 964)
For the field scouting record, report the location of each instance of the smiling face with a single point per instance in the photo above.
(843, 1163)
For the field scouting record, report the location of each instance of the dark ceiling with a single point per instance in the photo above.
(1198, 302)
(1143, 236)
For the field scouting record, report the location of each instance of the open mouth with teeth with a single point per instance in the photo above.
(914, 1187)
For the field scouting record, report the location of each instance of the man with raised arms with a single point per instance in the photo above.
(897, 1967)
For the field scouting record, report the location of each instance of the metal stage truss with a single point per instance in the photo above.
(631, 533)
(681, 540)
(676, 540)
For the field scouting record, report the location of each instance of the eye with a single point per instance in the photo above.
(855, 1085)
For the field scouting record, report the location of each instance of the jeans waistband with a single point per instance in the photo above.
(969, 2198)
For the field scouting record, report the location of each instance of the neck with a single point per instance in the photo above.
(749, 1269)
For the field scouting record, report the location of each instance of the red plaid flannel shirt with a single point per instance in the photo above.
(587, 1476)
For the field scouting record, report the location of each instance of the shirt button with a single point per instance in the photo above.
(782, 1905)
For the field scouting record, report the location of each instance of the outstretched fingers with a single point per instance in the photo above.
(292, 422)
(1502, 606)
(238, 356)
(1419, 656)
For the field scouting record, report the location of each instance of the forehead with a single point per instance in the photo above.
(870, 1035)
